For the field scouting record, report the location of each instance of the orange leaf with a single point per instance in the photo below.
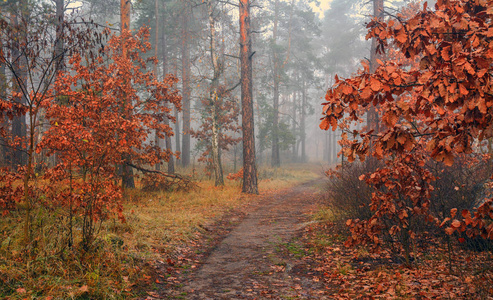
(463, 89)
(456, 223)
(325, 124)
(375, 85)
(347, 89)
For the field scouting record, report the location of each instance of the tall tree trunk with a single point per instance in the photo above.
(125, 17)
(326, 147)
(167, 139)
(215, 98)
(249, 166)
(372, 120)
(60, 11)
(178, 135)
(185, 56)
(157, 140)
(58, 54)
(127, 176)
(177, 120)
(335, 146)
(302, 122)
(24, 153)
(276, 159)
(19, 86)
(293, 127)
(4, 124)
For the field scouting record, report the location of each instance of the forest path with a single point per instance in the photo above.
(261, 258)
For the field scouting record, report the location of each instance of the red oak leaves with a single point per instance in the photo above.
(434, 98)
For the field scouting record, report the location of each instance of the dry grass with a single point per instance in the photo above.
(157, 223)
(163, 220)
(272, 179)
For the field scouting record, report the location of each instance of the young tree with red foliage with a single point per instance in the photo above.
(27, 39)
(437, 109)
(94, 131)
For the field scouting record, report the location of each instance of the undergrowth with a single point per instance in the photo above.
(119, 263)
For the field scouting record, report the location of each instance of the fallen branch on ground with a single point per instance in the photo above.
(163, 181)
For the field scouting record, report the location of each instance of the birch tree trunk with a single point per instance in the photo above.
(215, 98)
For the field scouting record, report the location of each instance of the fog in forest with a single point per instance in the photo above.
(298, 46)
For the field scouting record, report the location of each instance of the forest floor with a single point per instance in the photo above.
(281, 247)
(217, 243)
(252, 254)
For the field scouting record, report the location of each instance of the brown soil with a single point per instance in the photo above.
(260, 258)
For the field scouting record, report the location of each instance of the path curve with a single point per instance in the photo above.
(249, 263)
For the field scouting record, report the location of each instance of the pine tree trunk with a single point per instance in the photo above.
(372, 120)
(127, 171)
(19, 122)
(177, 129)
(335, 146)
(167, 139)
(185, 158)
(293, 128)
(249, 166)
(60, 10)
(302, 123)
(276, 159)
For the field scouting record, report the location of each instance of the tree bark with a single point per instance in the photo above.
(125, 16)
(60, 10)
(335, 146)
(168, 144)
(4, 124)
(157, 140)
(249, 166)
(372, 120)
(293, 128)
(276, 159)
(302, 122)
(19, 122)
(177, 120)
(127, 176)
(185, 158)
(215, 98)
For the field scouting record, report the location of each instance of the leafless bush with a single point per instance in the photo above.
(460, 186)
(349, 195)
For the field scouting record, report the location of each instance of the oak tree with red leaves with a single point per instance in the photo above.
(94, 131)
(437, 108)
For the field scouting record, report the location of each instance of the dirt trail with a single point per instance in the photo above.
(260, 259)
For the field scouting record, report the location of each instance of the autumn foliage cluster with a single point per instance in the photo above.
(433, 94)
(97, 120)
